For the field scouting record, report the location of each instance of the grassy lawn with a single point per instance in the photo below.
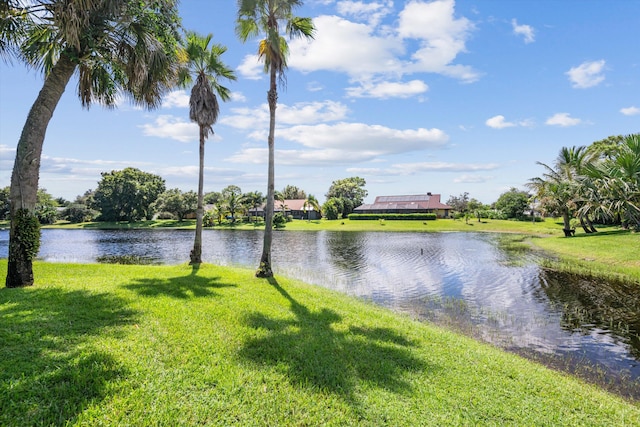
(169, 345)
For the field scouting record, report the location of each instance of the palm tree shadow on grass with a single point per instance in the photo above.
(49, 370)
(183, 287)
(315, 354)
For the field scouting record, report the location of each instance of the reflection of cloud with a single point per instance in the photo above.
(562, 119)
(587, 74)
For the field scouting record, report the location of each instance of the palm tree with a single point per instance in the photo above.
(560, 186)
(266, 17)
(311, 203)
(204, 62)
(114, 46)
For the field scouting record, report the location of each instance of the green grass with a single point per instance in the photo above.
(169, 345)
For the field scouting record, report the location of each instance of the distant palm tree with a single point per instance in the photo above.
(265, 17)
(311, 203)
(204, 62)
(116, 46)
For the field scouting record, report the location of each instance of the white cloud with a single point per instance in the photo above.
(498, 122)
(403, 169)
(526, 31)
(176, 98)
(442, 37)
(370, 12)
(251, 68)
(630, 111)
(472, 179)
(238, 97)
(167, 126)
(384, 90)
(300, 113)
(587, 74)
(426, 38)
(343, 143)
(562, 119)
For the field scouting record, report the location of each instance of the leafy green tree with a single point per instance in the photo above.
(115, 46)
(4, 203)
(291, 192)
(332, 208)
(350, 191)
(46, 208)
(513, 203)
(127, 195)
(212, 197)
(232, 196)
(267, 17)
(459, 203)
(176, 202)
(77, 213)
(204, 62)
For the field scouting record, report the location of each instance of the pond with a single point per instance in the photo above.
(466, 281)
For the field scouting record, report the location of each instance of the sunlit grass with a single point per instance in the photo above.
(172, 345)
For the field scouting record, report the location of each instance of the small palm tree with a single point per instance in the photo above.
(311, 203)
(203, 61)
(265, 17)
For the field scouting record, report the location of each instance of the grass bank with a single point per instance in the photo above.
(169, 345)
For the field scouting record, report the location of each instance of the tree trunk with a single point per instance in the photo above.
(583, 224)
(196, 253)
(566, 221)
(264, 269)
(26, 170)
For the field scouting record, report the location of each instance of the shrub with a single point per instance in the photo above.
(77, 213)
(165, 215)
(279, 220)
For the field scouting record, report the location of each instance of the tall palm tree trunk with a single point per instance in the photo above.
(26, 173)
(264, 269)
(196, 253)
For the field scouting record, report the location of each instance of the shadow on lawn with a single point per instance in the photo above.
(191, 286)
(318, 355)
(49, 370)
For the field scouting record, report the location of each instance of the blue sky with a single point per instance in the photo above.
(414, 96)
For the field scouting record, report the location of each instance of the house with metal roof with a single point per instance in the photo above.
(417, 203)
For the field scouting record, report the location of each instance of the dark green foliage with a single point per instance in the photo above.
(4, 203)
(350, 191)
(77, 213)
(332, 209)
(27, 234)
(513, 203)
(414, 216)
(127, 195)
(177, 203)
(279, 220)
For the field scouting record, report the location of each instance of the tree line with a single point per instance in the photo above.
(134, 195)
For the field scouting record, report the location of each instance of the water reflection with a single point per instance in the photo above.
(465, 280)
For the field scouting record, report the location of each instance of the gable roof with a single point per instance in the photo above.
(427, 201)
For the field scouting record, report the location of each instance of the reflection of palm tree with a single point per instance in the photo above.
(204, 62)
(311, 203)
(123, 47)
(266, 16)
